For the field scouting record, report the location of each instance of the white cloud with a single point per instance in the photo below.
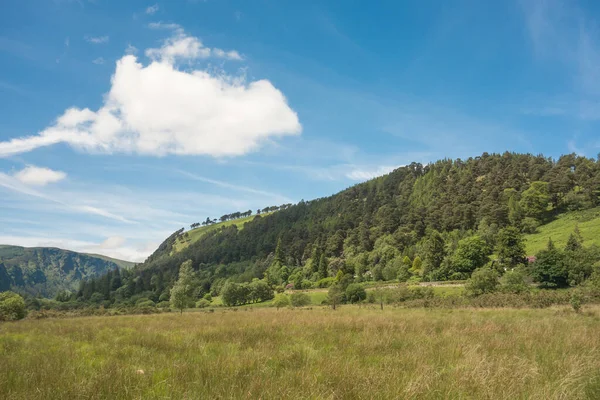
(158, 109)
(113, 242)
(361, 174)
(152, 9)
(37, 176)
(131, 49)
(98, 61)
(96, 39)
(163, 25)
(182, 46)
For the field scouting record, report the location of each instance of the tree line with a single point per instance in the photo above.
(440, 221)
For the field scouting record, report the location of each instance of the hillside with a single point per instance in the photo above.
(439, 221)
(46, 270)
(195, 234)
(587, 221)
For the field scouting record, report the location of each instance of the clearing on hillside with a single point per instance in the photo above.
(559, 230)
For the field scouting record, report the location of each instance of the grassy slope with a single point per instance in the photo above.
(121, 263)
(350, 353)
(197, 233)
(560, 229)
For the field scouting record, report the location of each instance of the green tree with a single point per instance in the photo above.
(417, 266)
(281, 300)
(433, 252)
(355, 293)
(510, 246)
(515, 213)
(535, 200)
(483, 280)
(260, 291)
(181, 293)
(471, 253)
(549, 268)
(12, 307)
(323, 264)
(335, 295)
(573, 243)
(514, 281)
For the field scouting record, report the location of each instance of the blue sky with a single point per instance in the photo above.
(124, 121)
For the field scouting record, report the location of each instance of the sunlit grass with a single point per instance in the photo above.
(267, 353)
(559, 230)
(197, 233)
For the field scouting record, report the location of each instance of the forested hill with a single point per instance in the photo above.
(46, 270)
(421, 216)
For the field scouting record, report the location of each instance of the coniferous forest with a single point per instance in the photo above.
(436, 222)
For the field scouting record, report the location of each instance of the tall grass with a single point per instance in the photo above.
(352, 353)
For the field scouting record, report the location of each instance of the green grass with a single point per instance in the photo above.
(559, 230)
(197, 233)
(351, 353)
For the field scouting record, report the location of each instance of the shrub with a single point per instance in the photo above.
(207, 297)
(514, 282)
(202, 303)
(483, 280)
(576, 301)
(163, 304)
(355, 293)
(325, 282)
(300, 299)
(281, 300)
(144, 303)
(12, 307)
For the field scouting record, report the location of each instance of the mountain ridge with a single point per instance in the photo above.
(46, 270)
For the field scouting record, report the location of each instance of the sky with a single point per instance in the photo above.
(121, 122)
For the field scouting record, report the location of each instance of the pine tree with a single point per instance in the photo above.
(323, 264)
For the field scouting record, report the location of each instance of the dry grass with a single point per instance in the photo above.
(352, 353)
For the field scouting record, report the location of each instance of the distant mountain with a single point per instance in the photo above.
(46, 270)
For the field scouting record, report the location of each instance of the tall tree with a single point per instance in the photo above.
(181, 293)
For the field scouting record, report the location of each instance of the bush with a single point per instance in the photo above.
(355, 293)
(12, 307)
(202, 303)
(145, 303)
(300, 299)
(281, 300)
(325, 282)
(514, 282)
(163, 304)
(576, 302)
(483, 280)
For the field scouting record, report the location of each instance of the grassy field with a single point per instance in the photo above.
(560, 229)
(197, 233)
(352, 353)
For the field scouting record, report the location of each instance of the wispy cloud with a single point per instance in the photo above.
(151, 10)
(98, 61)
(562, 33)
(96, 39)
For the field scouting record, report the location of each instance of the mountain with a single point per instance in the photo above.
(435, 213)
(46, 270)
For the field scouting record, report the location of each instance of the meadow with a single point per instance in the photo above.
(316, 353)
